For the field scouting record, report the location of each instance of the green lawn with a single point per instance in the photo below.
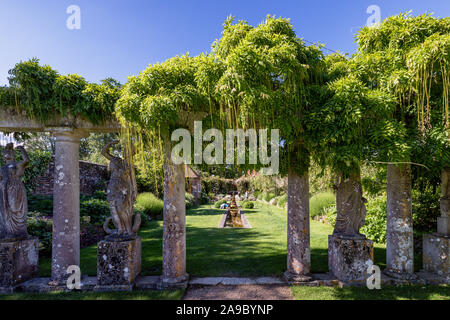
(407, 292)
(211, 251)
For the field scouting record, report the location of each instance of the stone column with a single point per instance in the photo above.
(436, 246)
(66, 204)
(399, 242)
(443, 222)
(298, 242)
(174, 229)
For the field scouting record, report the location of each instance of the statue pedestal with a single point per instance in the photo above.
(118, 264)
(19, 261)
(436, 255)
(348, 259)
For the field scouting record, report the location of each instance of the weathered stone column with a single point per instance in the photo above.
(298, 242)
(66, 204)
(174, 229)
(399, 242)
(436, 246)
(443, 222)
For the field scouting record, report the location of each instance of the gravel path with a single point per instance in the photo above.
(239, 292)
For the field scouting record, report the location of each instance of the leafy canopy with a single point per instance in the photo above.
(409, 57)
(254, 77)
(43, 93)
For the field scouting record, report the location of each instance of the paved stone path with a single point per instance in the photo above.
(239, 292)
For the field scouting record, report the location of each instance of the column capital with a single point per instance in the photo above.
(68, 134)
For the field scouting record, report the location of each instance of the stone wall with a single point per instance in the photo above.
(91, 176)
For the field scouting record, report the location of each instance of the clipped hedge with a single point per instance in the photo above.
(217, 185)
(217, 204)
(149, 204)
(319, 202)
(248, 205)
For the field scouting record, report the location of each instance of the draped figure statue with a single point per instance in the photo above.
(121, 194)
(13, 196)
(351, 209)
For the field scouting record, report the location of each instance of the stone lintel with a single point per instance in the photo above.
(12, 120)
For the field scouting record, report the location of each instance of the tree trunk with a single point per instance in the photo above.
(298, 242)
(399, 244)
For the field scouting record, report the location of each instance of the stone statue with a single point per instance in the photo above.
(351, 209)
(13, 196)
(121, 194)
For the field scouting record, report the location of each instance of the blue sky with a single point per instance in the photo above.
(121, 38)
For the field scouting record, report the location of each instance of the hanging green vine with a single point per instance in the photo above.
(43, 93)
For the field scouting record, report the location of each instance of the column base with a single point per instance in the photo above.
(349, 258)
(114, 288)
(174, 283)
(118, 263)
(400, 275)
(436, 255)
(293, 278)
(19, 261)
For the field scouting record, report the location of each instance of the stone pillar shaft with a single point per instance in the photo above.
(174, 229)
(66, 205)
(399, 242)
(443, 222)
(298, 233)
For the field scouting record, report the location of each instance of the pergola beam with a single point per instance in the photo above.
(12, 120)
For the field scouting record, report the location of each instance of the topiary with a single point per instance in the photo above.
(248, 205)
(217, 204)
